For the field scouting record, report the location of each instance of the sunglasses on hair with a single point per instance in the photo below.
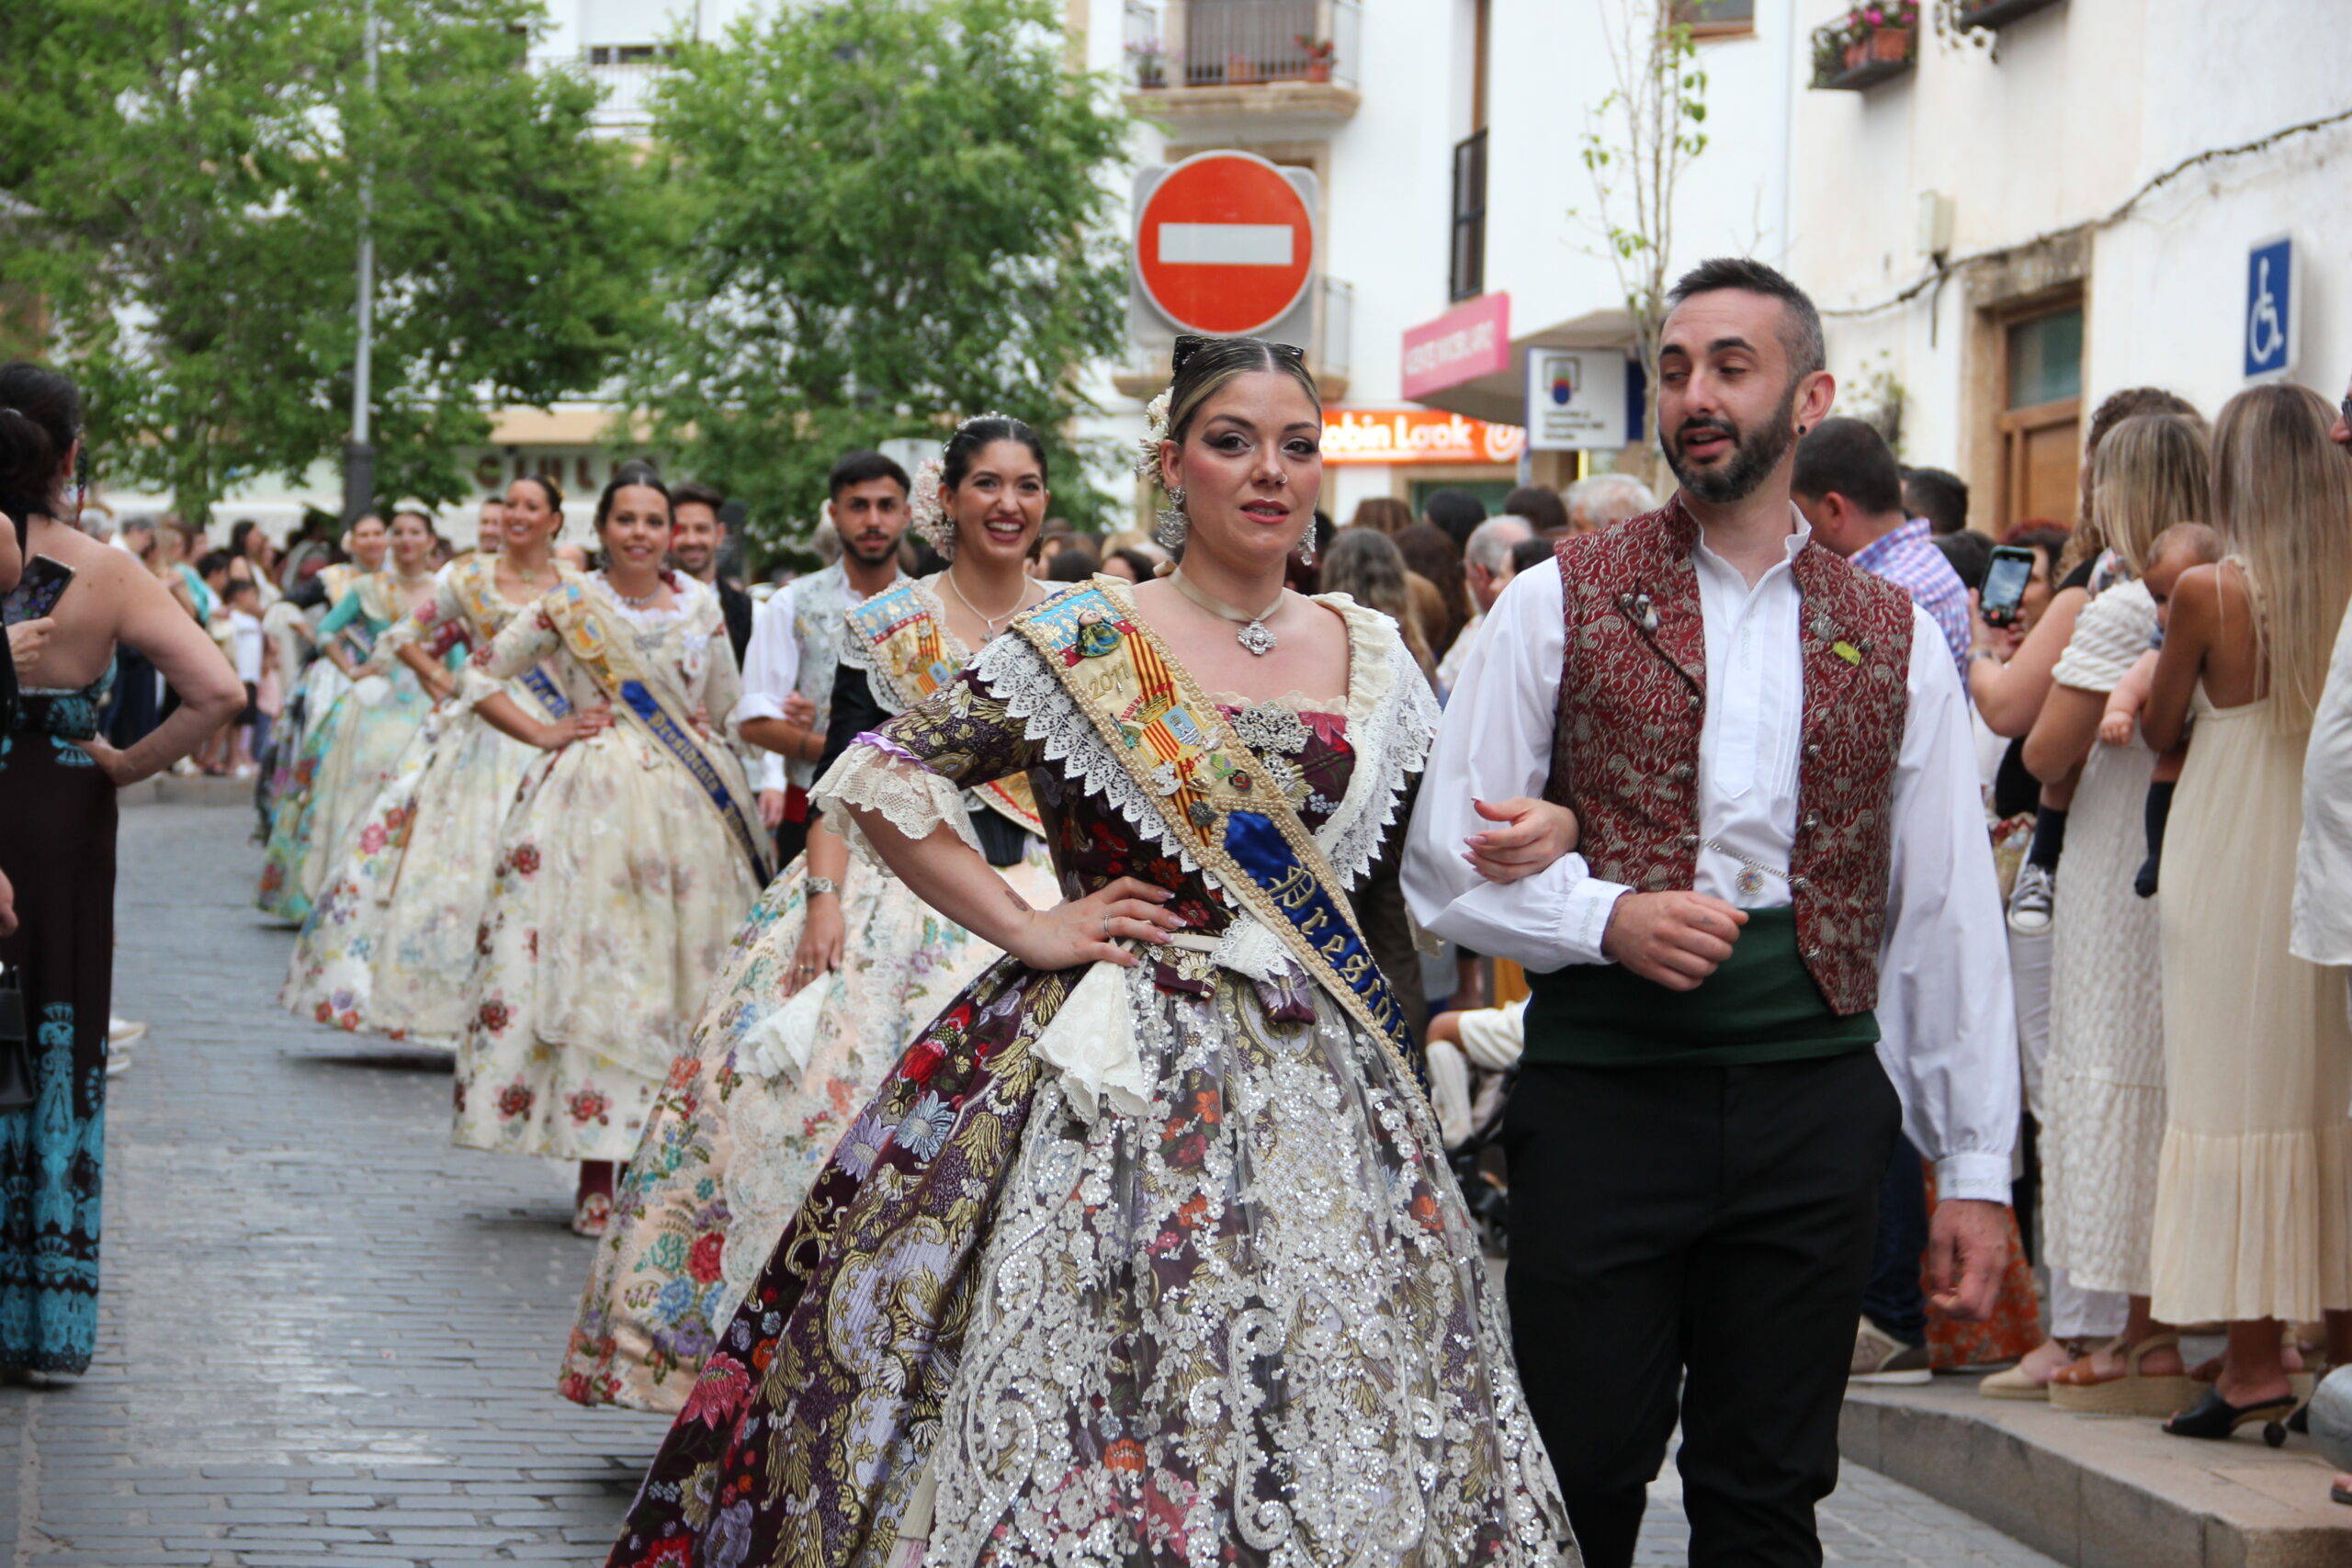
(1191, 344)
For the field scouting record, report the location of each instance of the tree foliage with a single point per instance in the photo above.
(1639, 141)
(882, 216)
(180, 192)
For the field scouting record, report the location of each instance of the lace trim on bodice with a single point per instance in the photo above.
(684, 591)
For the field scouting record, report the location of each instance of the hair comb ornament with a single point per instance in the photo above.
(924, 511)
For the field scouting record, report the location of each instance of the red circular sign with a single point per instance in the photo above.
(1225, 244)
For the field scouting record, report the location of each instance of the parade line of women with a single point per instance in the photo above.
(1013, 1062)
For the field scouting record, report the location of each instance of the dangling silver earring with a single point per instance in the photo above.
(1173, 523)
(1306, 545)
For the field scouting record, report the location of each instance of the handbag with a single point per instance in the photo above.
(16, 1088)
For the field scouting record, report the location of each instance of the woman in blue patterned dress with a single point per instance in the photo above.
(58, 780)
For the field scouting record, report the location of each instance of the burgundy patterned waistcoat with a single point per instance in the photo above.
(1633, 693)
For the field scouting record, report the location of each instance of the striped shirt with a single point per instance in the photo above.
(1908, 559)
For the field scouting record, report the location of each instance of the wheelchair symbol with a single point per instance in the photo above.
(2266, 329)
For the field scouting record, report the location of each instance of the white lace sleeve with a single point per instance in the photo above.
(875, 776)
(1392, 719)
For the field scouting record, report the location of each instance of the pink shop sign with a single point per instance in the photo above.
(1469, 341)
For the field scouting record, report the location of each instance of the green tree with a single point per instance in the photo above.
(179, 191)
(1639, 141)
(883, 216)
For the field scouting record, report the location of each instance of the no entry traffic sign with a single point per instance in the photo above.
(1225, 244)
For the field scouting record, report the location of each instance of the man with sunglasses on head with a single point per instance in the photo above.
(1780, 943)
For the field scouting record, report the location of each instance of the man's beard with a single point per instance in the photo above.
(1753, 455)
(869, 552)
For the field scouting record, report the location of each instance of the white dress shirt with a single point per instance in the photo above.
(2323, 928)
(1948, 1029)
(771, 659)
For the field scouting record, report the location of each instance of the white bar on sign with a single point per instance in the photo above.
(1226, 244)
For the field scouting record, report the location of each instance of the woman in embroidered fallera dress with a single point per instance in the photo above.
(350, 752)
(824, 989)
(625, 865)
(1146, 1252)
(390, 945)
(293, 624)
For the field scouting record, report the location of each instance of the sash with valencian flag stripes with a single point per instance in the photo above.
(907, 658)
(1216, 799)
(610, 661)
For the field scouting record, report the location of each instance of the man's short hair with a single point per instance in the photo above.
(1528, 554)
(1456, 511)
(1846, 457)
(1491, 542)
(1800, 331)
(1971, 555)
(1939, 497)
(693, 492)
(1602, 499)
(858, 467)
(1541, 505)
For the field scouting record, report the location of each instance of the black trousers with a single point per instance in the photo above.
(1695, 1237)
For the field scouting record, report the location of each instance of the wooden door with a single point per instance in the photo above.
(2040, 458)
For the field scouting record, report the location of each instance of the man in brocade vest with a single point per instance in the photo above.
(1716, 790)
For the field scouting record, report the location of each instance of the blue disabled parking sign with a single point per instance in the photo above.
(2270, 297)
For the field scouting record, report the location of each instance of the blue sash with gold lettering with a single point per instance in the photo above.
(1215, 797)
(609, 659)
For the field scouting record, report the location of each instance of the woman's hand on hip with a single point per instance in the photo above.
(1088, 930)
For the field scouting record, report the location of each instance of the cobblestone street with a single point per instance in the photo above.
(329, 1336)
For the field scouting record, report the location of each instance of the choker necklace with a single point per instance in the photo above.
(1254, 634)
(638, 601)
(991, 621)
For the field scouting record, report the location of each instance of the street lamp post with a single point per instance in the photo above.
(358, 455)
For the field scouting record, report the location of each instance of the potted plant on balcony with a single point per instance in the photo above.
(1894, 29)
(1152, 60)
(1320, 53)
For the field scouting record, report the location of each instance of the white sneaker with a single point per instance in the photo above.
(1881, 1358)
(122, 1031)
(2030, 900)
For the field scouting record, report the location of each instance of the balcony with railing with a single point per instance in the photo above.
(629, 75)
(1245, 59)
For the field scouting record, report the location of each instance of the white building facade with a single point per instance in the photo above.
(2013, 226)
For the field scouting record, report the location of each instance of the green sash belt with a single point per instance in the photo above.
(1761, 1005)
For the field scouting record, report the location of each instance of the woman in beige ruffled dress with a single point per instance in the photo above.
(2253, 1189)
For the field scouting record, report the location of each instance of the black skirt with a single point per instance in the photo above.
(57, 846)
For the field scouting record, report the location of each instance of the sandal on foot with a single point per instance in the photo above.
(594, 1214)
(2214, 1417)
(2129, 1393)
(2018, 1384)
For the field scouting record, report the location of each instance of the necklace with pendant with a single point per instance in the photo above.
(635, 602)
(992, 622)
(1253, 634)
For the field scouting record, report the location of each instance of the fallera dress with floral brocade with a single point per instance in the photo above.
(1232, 1313)
(617, 886)
(751, 1114)
(388, 945)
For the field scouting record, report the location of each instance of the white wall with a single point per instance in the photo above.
(2082, 105)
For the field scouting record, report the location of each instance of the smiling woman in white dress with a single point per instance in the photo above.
(390, 944)
(625, 865)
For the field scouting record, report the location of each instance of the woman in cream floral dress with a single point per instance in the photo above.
(1148, 1252)
(626, 864)
(812, 1010)
(389, 944)
(351, 749)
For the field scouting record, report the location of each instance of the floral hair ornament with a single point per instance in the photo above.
(1155, 431)
(930, 518)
